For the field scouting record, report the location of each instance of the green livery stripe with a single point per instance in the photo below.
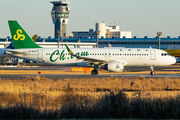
(20, 38)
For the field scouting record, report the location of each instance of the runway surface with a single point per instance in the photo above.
(85, 76)
(174, 68)
(132, 68)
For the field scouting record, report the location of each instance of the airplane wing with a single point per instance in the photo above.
(87, 59)
(16, 53)
(91, 60)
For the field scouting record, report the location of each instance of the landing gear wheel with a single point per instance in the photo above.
(94, 72)
(152, 72)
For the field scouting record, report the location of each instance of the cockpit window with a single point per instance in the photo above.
(164, 54)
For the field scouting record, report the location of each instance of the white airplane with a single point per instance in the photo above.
(112, 59)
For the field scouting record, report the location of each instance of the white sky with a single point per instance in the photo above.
(142, 17)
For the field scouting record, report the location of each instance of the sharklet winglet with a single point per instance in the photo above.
(68, 49)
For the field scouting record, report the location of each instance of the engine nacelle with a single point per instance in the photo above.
(115, 67)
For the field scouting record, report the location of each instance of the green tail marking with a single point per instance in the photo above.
(20, 38)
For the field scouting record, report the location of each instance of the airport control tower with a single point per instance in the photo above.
(60, 17)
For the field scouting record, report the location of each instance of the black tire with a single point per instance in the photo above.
(94, 72)
(152, 73)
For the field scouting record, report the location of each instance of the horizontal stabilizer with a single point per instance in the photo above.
(16, 53)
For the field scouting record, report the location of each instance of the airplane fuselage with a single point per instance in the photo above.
(129, 56)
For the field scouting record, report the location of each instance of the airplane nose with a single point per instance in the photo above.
(173, 60)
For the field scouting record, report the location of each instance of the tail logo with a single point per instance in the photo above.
(19, 35)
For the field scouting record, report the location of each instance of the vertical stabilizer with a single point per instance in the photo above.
(20, 38)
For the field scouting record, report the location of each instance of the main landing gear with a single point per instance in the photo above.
(152, 70)
(95, 71)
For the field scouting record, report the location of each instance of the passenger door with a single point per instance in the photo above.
(152, 55)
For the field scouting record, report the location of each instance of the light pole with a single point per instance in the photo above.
(159, 34)
(97, 35)
(59, 36)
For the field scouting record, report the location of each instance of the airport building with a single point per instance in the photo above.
(104, 32)
(60, 17)
(165, 43)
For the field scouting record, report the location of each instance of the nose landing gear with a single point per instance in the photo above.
(152, 70)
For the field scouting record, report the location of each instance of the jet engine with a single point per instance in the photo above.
(115, 67)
